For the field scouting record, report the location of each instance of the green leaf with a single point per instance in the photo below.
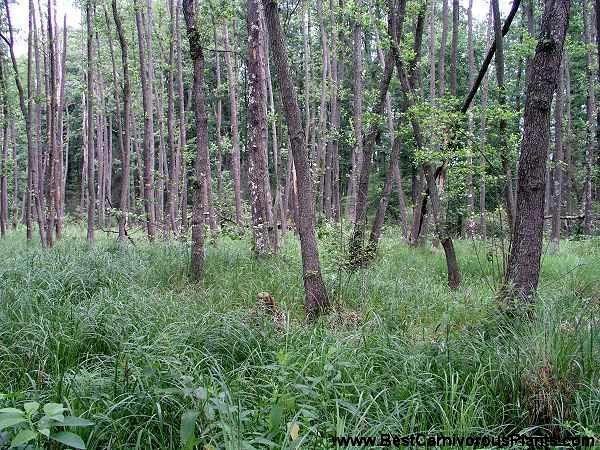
(12, 411)
(73, 421)
(69, 439)
(31, 407)
(188, 425)
(10, 421)
(45, 431)
(22, 437)
(53, 409)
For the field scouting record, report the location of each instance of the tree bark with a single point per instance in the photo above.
(357, 84)
(91, 207)
(197, 55)
(591, 126)
(506, 165)
(443, 44)
(148, 105)
(126, 138)
(257, 146)
(455, 12)
(557, 171)
(235, 138)
(523, 269)
(315, 300)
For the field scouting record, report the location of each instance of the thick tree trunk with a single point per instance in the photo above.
(197, 55)
(316, 300)
(235, 138)
(524, 262)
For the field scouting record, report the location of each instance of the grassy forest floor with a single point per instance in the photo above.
(124, 339)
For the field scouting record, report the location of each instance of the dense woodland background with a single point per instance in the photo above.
(398, 142)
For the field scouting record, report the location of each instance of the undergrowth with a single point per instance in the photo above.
(124, 339)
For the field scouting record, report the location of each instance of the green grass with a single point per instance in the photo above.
(123, 338)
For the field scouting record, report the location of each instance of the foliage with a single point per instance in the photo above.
(121, 336)
(28, 425)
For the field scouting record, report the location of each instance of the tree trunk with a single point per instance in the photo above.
(235, 138)
(591, 126)
(455, 12)
(173, 145)
(197, 55)
(506, 165)
(443, 44)
(148, 105)
(126, 138)
(91, 207)
(470, 223)
(524, 262)
(257, 146)
(357, 84)
(315, 301)
(557, 171)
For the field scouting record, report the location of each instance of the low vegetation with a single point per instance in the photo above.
(121, 338)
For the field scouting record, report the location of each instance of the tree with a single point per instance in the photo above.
(258, 170)
(148, 105)
(126, 138)
(91, 206)
(235, 164)
(523, 270)
(315, 294)
(197, 55)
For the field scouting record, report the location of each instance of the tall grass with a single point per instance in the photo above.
(123, 338)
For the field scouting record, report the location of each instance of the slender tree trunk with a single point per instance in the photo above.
(470, 223)
(182, 167)
(384, 200)
(219, 117)
(506, 165)
(524, 262)
(126, 138)
(315, 300)
(15, 161)
(257, 145)
(54, 156)
(591, 126)
(455, 12)
(90, 116)
(357, 59)
(148, 105)
(557, 171)
(235, 162)
(321, 158)
(197, 55)
(443, 44)
(4, 157)
(568, 141)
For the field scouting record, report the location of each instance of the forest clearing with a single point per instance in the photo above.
(299, 224)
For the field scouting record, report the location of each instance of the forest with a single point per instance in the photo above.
(295, 224)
